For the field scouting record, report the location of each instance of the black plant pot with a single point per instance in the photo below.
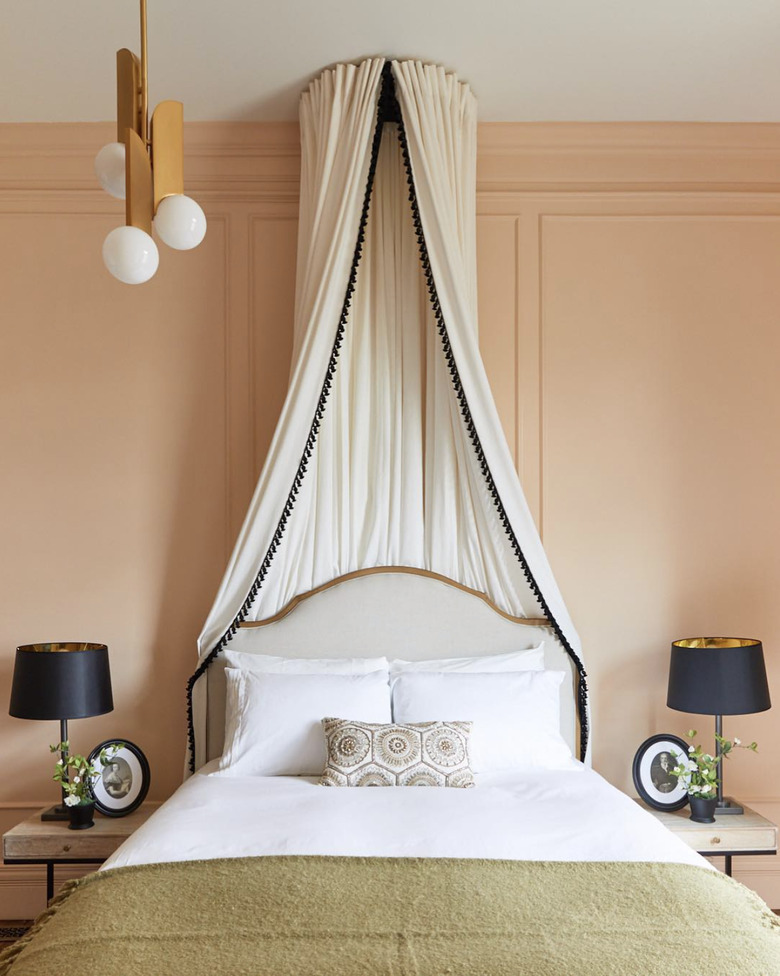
(82, 817)
(702, 809)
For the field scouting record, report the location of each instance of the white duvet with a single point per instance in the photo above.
(560, 815)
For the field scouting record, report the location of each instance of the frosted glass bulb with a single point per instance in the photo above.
(110, 169)
(179, 222)
(131, 255)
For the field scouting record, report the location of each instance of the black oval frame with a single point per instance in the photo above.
(640, 788)
(146, 776)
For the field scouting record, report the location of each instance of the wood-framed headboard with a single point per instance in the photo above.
(399, 613)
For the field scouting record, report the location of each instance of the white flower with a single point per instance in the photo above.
(59, 762)
(737, 742)
(691, 749)
(76, 779)
(71, 801)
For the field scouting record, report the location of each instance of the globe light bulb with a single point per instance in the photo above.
(110, 169)
(130, 255)
(179, 222)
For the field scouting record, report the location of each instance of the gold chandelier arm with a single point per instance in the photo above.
(167, 150)
(138, 183)
(128, 84)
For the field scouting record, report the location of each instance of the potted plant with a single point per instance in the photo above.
(699, 775)
(75, 775)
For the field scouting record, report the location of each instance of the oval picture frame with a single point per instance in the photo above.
(654, 784)
(122, 784)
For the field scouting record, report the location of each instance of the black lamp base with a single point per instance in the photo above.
(58, 812)
(728, 805)
(725, 804)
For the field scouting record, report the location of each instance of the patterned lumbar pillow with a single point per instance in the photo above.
(422, 754)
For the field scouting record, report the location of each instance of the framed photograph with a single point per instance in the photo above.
(123, 781)
(653, 777)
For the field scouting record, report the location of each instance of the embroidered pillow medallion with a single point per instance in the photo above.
(418, 754)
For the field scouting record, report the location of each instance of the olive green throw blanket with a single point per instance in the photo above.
(317, 916)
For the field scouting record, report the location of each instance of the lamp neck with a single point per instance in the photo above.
(64, 752)
(719, 755)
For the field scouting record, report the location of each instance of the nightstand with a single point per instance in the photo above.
(50, 842)
(729, 836)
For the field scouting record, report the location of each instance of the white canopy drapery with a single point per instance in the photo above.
(389, 450)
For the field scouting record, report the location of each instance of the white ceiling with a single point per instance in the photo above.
(527, 60)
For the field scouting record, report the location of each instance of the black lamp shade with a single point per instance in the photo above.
(61, 681)
(718, 676)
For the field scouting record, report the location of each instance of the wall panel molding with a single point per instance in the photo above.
(239, 161)
(247, 160)
(604, 157)
(663, 206)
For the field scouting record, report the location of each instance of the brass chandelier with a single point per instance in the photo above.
(145, 168)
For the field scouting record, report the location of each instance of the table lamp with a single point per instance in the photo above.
(61, 681)
(718, 676)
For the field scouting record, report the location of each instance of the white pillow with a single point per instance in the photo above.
(273, 721)
(516, 717)
(530, 659)
(268, 664)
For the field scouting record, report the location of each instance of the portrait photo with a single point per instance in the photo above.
(661, 773)
(653, 774)
(117, 778)
(122, 777)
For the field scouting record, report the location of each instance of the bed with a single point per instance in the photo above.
(547, 872)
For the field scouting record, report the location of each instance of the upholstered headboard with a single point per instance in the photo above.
(396, 613)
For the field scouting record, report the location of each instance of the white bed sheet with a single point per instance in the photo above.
(560, 815)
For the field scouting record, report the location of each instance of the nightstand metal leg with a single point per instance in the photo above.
(727, 865)
(49, 882)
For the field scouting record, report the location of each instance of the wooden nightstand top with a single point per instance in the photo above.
(747, 833)
(51, 840)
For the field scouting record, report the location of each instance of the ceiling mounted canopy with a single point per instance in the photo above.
(389, 451)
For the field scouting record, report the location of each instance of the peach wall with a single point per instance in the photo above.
(629, 290)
